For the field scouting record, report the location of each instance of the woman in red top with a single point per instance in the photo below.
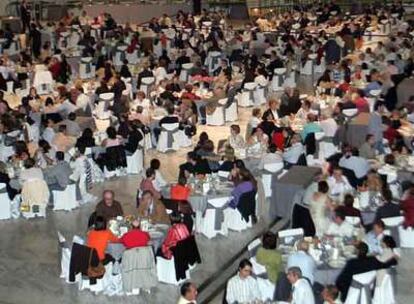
(135, 237)
(180, 191)
(177, 232)
(407, 207)
(99, 237)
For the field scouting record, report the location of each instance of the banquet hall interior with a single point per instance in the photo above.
(177, 151)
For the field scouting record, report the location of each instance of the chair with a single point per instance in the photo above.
(290, 236)
(133, 58)
(105, 101)
(406, 237)
(43, 82)
(35, 195)
(259, 94)
(146, 84)
(213, 61)
(384, 291)
(279, 77)
(185, 71)
(392, 224)
(65, 199)
(86, 68)
(138, 269)
(101, 284)
(349, 113)
(216, 118)
(206, 224)
(135, 162)
(230, 112)
(5, 203)
(10, 87)
(166, 272)
(168, 139)
(321, 67)
(254, 246)
(246, 98)
(361, 288)
(120, 55)
(65, 253)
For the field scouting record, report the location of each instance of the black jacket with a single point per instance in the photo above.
(185, 254)
(144, 74)
(356, 266)
(79, 261)
(388, 210)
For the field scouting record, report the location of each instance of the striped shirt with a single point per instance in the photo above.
(242, 290)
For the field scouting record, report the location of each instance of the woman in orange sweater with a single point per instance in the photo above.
(180, 191)
(99, 237)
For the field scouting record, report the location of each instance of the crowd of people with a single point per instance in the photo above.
(44, 137)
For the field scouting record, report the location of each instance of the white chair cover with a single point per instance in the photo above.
(65, 254)
(213, 61)
(146, 84)
(43, 82)
(230, 113)
(246, 98)
(206, 223)
(384, 291)
(290, 236)
(166, 271)
(353, 220)
(168, 139)
(278, 80)
(406, 237)
(360, 290)
(217, 118)
(65, 199)
(234, 220)
(135, 162)
(185, 71)
(5, 203)
(86, 68)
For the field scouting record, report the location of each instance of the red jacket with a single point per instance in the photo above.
(135, 238)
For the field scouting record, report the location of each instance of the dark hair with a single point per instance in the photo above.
(150, 172)
(182, 180)
(362, 249)
(82, 149)
(60, 155)
(387, 195)
(272, 148)
(175, 218)
(72, 116)
(44, 145)
(111, 132)
(389, 159)
(29, 163)
(389, 241)
(269, 240)
(339, 213)
(49, 101)
(155, 164)
(239, 164)
(380, 224)
(349, 200)
(323, 187)
(100, 223)
(87, 133)
(245, 262)
(185, 288)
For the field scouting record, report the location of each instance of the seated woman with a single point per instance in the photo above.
(99, 237)
(152, 208)
(319, 208)
(147, 184)
(257, 143)
(180, 191)
(235, 140)
(268, 256)
(177, 232)
(207, 152)
(159, 181)
(113, 140)
(86, 139)
(247, 184)
(135, 237)
(228, 159)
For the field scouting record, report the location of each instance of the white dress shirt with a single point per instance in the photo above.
(302, 293)
(292, 154)
(359, 165)
(343, 230)
(374, 242)
(48, 135)
(159, 181)
(305, 262)
(242, 290)
(338, 188)
(329, 127)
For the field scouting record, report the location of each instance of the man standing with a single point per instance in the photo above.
(188, 294)
(301, 289)
(25, 16)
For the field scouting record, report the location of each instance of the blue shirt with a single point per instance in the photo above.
(372, 86)
(374, 243)
(310, 128)
(305, 262)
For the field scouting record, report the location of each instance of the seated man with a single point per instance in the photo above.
(330, 295)
(57, 176)
(152, 208)
(303, 261)
(188, 293)
(339, 227)
(338, 184)
(352, 161)
(362, 263)
(109, 208)
(135, 237)
(374, 238)
(301, 289)
(243, 288)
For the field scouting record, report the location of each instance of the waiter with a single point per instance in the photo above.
(25, 15)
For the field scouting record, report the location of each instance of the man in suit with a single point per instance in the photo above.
(360, 264)
(25, 15)
(57, 176)
(388, 209)
(273, 113)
